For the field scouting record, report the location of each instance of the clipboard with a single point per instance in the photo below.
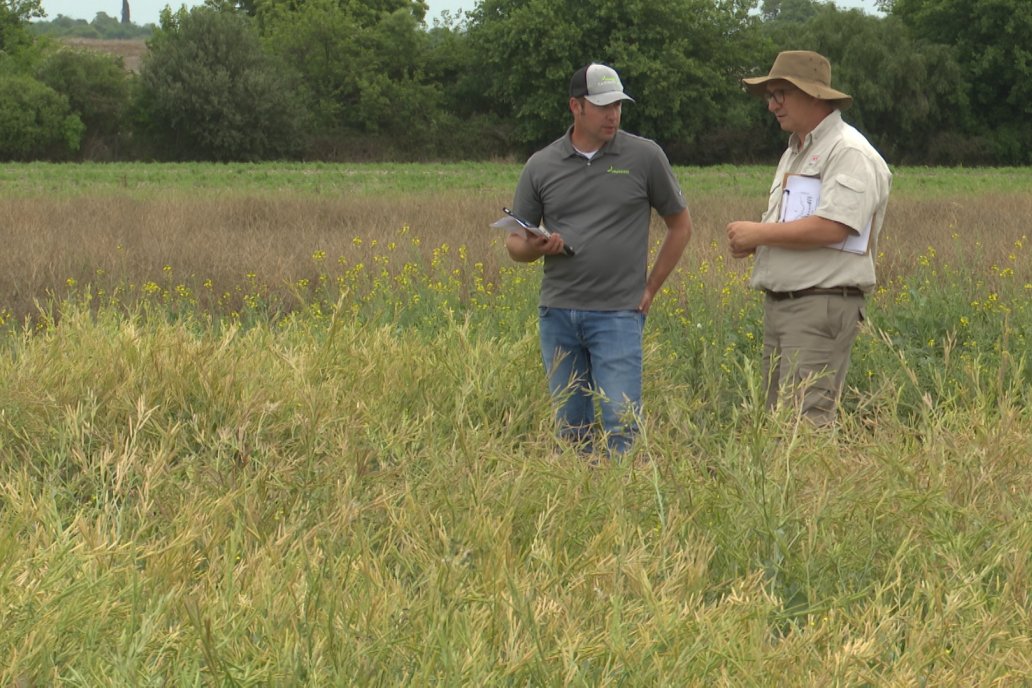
(800, 196)
(512, 222)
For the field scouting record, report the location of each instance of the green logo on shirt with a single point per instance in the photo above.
(613, 170)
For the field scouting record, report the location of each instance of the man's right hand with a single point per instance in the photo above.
(743, 237)
(525, 247)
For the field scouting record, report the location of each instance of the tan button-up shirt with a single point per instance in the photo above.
(855, 184)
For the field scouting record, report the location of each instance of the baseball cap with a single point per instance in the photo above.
(599, 84)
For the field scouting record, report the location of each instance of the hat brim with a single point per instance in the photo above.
(603, 99)
(757, 87)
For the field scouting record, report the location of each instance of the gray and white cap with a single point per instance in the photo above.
(599, 84)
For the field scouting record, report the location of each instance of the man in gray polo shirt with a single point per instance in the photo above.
(814, 286)
(594, 189)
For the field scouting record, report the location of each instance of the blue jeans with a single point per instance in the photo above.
(589, 356)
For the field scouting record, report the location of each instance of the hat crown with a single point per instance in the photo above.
(802, 64)
(599, 84)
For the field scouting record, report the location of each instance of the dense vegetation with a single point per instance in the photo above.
(935, 81)
(286, 425)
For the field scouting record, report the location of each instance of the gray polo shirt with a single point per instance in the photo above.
(602, 208)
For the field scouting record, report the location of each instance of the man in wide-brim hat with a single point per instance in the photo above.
(814, 251)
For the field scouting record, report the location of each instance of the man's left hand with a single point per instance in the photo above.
(646, 301)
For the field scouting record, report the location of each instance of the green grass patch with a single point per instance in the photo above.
(68, 179)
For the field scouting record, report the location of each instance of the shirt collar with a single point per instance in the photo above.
(612, 147)
(820, 131)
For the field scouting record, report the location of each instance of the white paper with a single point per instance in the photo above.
(511, 224)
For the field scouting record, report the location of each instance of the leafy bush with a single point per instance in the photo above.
(35, 120)
(209, 91)
(677, 59)
(362, 69)
(96, 86)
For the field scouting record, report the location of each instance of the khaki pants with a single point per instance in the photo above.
(806, 345)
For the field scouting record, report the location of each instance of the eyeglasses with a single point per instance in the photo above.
(777, 95)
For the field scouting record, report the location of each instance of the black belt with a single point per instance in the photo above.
(815, 291)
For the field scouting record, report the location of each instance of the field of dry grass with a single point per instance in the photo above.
(221, 239)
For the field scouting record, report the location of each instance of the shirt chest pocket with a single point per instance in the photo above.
(848, 192)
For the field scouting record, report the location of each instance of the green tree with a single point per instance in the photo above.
(993, 43)
(14, 17)
(96, 86)
(249, 7)
(362, 71)
(678, 58)
(451, 65)
(789, 11)
(209, 91)
(102, 26)
(904, 91)
(112, 28)
(369, 10)
(62, 26)
(36, 122)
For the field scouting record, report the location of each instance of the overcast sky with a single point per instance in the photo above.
(146, 11)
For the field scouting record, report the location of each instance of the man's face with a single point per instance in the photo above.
(789, 105)
(595, 123)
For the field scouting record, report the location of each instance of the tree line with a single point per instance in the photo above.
(941, 82)
(102, 27)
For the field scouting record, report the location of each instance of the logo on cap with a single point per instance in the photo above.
(599, 84)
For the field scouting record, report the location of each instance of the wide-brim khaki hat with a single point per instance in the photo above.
(808, 71)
